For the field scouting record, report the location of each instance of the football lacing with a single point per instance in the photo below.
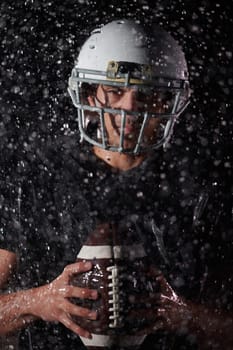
(115, 301)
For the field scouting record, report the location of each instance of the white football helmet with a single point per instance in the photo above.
(122, 54)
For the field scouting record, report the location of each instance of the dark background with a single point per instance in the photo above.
(40, 41)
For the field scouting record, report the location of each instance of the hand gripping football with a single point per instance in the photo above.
(119, 273)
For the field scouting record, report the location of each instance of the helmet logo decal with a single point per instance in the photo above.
(135, 71)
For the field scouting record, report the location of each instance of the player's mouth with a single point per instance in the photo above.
(129, 129)
(129, 132)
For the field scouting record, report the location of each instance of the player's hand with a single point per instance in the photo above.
(51, 302)
(173, 312)
(161, 308)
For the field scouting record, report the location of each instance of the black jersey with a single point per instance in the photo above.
(51, 205)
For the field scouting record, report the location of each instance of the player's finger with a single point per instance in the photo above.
(75, 310)
(82, 293)
(77, 267)
(70, 324)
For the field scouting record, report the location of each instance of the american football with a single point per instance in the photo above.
(120, 275)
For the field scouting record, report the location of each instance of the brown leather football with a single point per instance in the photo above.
(120, 274)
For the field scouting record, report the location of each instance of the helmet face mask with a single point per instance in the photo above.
(161, 97)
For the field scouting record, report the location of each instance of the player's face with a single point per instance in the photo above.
(130, 99)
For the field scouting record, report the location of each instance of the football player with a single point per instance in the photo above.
(129, 86)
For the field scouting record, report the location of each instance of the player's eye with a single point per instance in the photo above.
(112, 94)
(116, 92)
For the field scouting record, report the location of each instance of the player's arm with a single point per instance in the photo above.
(49, 302)
(8, 263)
(211, 326)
